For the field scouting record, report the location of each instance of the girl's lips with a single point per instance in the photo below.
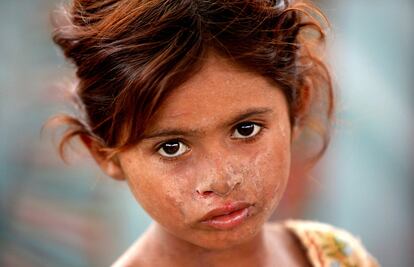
(227, 217)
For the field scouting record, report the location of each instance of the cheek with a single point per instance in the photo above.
(272, 167)
(158, 190)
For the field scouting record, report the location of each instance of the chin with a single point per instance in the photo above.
(222, 240)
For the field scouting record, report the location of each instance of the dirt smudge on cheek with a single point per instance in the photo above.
(269, 177)
(155, 186)
(174, 192)
(181, 193)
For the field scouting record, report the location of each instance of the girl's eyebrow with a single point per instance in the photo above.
(192, 132)
(248, 113)
(171, 132)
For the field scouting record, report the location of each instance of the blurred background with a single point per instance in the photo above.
(52, 214)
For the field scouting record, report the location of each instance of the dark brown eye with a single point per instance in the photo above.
(246, 130)
(172, 149)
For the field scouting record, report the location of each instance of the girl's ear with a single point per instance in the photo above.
(110, 166)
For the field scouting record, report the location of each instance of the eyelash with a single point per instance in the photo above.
(159, 146)
(244, 140)
(253, 138)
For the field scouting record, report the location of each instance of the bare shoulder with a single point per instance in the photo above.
(294, 251)
(131, 257)
(328, 245)
(139, 254)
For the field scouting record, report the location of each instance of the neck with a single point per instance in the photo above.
(178, 252)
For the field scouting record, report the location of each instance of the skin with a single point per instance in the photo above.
(217, 165)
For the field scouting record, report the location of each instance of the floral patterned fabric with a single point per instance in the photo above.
(328, 246)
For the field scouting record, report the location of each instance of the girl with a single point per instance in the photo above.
(196, 104)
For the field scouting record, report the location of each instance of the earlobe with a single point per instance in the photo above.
(110, 166)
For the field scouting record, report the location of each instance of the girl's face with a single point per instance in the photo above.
(215, 159)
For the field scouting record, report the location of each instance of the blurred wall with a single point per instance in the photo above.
(52, 214)
(368, 185)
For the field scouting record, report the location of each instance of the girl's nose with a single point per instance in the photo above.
(221, 188)
(220, 179)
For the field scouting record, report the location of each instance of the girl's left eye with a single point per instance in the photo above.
(246, 130)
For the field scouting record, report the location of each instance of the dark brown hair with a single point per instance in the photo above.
(130, 54)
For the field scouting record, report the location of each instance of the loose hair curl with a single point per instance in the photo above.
(130, 54)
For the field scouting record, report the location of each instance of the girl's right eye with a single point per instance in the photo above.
(172, 149)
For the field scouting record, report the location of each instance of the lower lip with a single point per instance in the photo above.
(228, 221)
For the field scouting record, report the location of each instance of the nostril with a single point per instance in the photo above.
(207, 193)
(204, 193)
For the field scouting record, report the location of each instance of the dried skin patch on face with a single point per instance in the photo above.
(267, 165)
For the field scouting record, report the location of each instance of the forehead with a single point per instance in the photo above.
(220, 89)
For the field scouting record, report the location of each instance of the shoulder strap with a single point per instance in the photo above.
(328, 246)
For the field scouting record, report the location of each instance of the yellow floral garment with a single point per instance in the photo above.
(328, 246)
